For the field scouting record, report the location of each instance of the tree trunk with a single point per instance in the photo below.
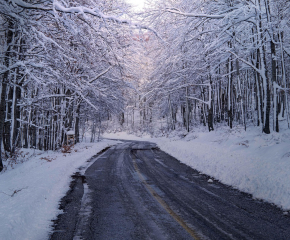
(77, 127)
(4, 87)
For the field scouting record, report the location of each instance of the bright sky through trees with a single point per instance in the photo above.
(137, 4)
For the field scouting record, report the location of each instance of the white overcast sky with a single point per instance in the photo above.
(137, 4)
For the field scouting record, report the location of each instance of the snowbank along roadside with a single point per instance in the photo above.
(31, 191)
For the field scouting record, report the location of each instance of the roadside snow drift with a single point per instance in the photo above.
(31, 191)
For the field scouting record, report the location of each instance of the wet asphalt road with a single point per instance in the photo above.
(136, 191)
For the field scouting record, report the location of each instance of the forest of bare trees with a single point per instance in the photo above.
(224, 61)
(61, 67)
(68, 65)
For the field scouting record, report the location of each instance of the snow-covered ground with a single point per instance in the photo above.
(253, 162)
(250, 161)
(30, 192)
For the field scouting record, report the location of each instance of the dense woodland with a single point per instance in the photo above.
(78, 65)
(61, 68)
(222, 61)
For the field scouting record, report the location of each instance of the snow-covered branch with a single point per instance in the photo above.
(194, 98)
(81, 10)
(97, 13)
(15, 65)
(278, 87)
(195, 14)
(27, 5)
(101, 74)
(246, 62)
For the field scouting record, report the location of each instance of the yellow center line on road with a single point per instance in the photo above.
(176, 217)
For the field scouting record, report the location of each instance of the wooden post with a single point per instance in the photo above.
(70, 137)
